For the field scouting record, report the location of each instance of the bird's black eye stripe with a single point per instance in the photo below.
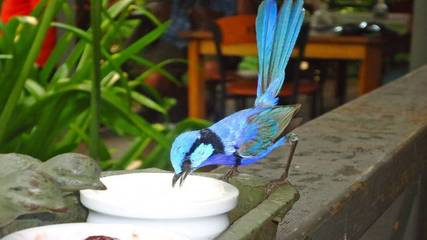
(210, 137)
(207, 136)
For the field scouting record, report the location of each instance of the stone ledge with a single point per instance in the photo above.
(352, 162)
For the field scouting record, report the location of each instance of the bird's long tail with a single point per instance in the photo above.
(276, 37)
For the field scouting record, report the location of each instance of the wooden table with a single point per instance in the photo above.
(367, 50)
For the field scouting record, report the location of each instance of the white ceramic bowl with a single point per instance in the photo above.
(80, 231)
(198, 209)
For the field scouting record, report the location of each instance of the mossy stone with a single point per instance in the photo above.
(27, 191)
(73, 172)
(13, 162)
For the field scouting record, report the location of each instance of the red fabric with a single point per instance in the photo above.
(12, 8)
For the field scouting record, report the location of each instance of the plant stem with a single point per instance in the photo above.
(7, 112)
(95, 20)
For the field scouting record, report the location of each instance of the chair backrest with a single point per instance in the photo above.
(232, 30)
(237, 29)
(241, 29)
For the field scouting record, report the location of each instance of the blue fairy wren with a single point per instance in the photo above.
(251, 134)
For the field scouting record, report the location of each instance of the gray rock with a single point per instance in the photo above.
(73, 172)
(13, 162)
(75, 213)
(28, 192)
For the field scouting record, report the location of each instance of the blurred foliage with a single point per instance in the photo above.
(351, 6)
(249, 63)
(46, 111)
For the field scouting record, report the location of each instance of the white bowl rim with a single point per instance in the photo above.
(84, 225)
(212, 207)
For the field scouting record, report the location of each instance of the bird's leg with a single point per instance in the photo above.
(230, 173)
(233, 171)
(293, 140)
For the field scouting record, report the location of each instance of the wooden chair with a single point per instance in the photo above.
(241, 30)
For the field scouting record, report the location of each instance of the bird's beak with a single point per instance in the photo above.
(175, 178)
(180, 176)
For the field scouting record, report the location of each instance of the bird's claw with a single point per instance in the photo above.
(293, 140)
(273, 185)
(234, 171)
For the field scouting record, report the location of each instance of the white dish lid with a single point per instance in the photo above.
(151, 196)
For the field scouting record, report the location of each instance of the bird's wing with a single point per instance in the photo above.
(276, 37)
(265, 128)
(230, 129)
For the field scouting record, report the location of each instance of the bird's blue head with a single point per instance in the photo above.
(188, 153)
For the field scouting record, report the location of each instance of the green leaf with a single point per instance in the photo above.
(60, 47)
(38, 10)
(143, 126)
(148, 14)
(80, 33)
(136, 47)
(34, 88)
(68, 13)
(61, 73)
(110, 79)
(95, 143)
(115, 121)
(143, 100)
(42, 135)
(138, 146)
(6, 56)
(6, 114)
(116, 9)
(75, 55)
(156, 68)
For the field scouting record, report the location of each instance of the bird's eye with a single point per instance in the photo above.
(186, 165)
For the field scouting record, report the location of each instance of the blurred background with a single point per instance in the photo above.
(168, 66)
